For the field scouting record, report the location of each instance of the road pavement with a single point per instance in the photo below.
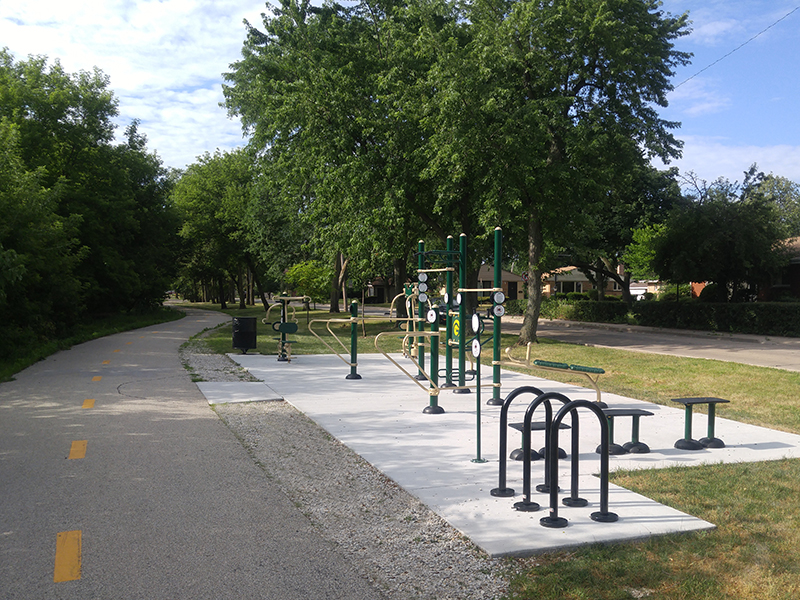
(763, 351)
(118, 481)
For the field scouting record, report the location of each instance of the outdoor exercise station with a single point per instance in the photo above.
(458, 462)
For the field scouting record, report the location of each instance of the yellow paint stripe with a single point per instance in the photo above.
(97, 378)
(68, 556)
(116, 350)
(88, 403)
(106, 362)
(78, 449)
(128, 343)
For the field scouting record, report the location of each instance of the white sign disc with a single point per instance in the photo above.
(423, 277)
(476, 348)
(431, 316)
(476, 323)
(499, 297)
(499, 310)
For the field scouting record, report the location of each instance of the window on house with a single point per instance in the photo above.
(565, 287)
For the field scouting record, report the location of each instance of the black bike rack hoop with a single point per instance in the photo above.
(502, 491)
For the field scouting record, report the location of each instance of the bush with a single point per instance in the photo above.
(577, 296)
(516, 307)
(750, 317)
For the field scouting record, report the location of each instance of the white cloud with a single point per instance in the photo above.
(699, 96)
(711, 33)
(711, 158)
(164, 59)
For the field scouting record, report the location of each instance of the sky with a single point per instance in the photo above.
(165, 60)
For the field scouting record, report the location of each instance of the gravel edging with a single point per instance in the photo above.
(402, 546)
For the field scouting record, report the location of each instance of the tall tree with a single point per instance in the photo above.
(643, 198)
(545, 105)
(725, 233)
(116, 195)
(334, 98)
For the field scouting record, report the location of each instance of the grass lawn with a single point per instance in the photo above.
(755, 550)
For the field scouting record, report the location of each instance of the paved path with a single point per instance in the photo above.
(763, 351)
(164, 503)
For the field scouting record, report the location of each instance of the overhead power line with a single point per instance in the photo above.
(738, 47)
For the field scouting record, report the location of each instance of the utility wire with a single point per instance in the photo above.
(738, 47)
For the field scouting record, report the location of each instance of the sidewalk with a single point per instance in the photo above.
(380, 418)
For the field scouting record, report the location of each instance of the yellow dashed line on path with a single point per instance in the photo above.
(68, 556)
(88, 403)
(106, 362)
(78, 449)
(97, 378)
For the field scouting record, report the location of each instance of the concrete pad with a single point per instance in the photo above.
(238, 391)
(431, 456)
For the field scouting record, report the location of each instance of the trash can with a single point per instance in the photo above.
(244, 333)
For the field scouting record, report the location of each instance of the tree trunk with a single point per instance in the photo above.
(400, 276)
(337, 282)
(257, 282)
(221, 284)
(238, 282)
(531, 320)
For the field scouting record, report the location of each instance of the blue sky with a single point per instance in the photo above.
(746, 107)
(165, 59)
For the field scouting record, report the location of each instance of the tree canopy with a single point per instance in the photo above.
(724, 233)
(390, 119)
(87, 223)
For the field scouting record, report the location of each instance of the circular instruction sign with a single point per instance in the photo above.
(476, 348)
(456, 327)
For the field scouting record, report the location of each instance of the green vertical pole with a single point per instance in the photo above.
(353, 341)
(478, 458)
(433, 407)
(462, 315)
(687, 428)
(448, 349)
(421, 315)
(498, 283)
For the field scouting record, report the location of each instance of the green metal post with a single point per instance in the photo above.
(462, 315)
(712, 410)
(433, 407)
(448, 349)
(421, 315)
(478, 458)
(688, 425)
(353, 341)
(498, 282)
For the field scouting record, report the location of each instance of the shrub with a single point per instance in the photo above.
(577, 296)
(749, 317)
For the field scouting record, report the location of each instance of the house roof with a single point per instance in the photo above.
(486, 273)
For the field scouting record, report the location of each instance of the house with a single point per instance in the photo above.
(570, 279)
(787, 283)
(513, 285)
